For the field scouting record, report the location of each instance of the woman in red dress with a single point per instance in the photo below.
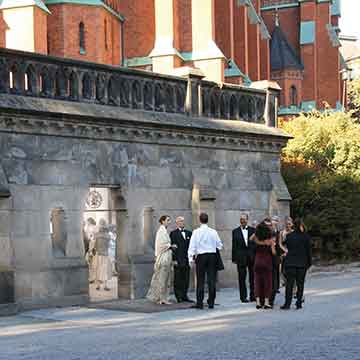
(265, 249)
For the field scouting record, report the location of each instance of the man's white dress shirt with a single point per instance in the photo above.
(204, 240)
(245, 234)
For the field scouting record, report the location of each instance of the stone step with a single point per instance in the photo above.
(9, 309)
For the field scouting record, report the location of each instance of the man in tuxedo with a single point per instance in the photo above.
(243, 255)
(181, 238)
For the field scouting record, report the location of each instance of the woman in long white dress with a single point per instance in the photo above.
(161, 280)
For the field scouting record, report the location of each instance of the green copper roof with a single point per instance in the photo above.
(234, 71)
(290, 110)
(308, 105)
(8, 4)
(87, 2)
(255, 18)
(137, 61)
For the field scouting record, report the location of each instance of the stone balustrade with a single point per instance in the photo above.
(34, 75)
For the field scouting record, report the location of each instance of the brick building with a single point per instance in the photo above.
(294, 42)
(305, 57)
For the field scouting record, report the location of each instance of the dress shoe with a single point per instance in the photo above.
(188, 300)
(267, 307)
(211, 306)
(298, 306)
(197, 306)
(285, 307)
(258, 307)
(245, 301)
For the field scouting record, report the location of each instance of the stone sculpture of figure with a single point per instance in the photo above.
(103, 264)
(89, 245)
(112, 247)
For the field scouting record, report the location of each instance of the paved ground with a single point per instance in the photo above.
(327, 328)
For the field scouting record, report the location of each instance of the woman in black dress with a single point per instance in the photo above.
(296, 263)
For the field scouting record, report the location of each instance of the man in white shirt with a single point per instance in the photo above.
(202, 249)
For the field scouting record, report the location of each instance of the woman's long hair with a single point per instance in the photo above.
(163, 218)
(299, 225)
(263, 231)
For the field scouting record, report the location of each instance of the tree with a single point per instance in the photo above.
(354, 98)
(321, 166)
(328, 141)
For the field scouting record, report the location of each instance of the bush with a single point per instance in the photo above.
(354, 98)
(321, 166)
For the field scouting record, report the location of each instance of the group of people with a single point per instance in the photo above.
(99, 243)
(263, 254)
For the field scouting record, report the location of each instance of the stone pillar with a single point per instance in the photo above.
(120, 217)
(193, 102)
(206, 54)
(148, 229)
(165, 56)
(203, 200)
(26, 24)
(272, 96)
(195, 206)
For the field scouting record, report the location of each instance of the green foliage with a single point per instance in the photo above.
(354, 98)
(321, 166)
(328, 140)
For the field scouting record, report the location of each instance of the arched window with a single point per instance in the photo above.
(293, 96)
(82, 38)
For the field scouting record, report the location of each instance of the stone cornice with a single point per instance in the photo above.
(75, 125)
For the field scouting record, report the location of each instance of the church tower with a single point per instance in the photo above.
(286, 69)
(89, 30)
(311, 30)
(23, 24)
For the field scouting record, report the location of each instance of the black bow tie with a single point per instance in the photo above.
(244, 227)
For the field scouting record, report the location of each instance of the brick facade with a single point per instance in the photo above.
(310, 28)
(102, 33)
(116, 30)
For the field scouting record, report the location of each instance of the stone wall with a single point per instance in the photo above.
(159, 153)
(49, 165)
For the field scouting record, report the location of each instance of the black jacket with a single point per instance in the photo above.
(299, 250)
(181, 253)
(242, 254)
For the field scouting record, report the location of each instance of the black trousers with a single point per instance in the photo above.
(294, 274)
(242, 271)
(275, 281)
(206, 266)
(181, 281)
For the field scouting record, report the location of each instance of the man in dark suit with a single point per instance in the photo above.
(276, 258)
(243, 255)
(181, 238)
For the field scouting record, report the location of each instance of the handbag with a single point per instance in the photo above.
(219, 263)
